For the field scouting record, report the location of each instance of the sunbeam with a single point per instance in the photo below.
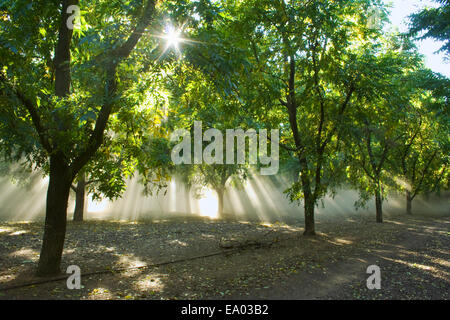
(209, 205)
(97, 206)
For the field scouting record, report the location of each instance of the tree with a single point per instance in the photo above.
(372, 128)
(197, 95)
(424, 168)
(217, 177)
(433, 23)
(374, 141)
(103, 176)
(307, 62)
(420, 157)
(64, 103)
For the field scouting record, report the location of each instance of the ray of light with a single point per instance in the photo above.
(97, 206)
(173, 196)
(209, 205)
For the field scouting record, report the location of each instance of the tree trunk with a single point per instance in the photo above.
(220, 208)
(408, 202)
(309, 217)
(61, 175)
(60, 179)
(379, 206)
(55, 218)
(309, 204)
(80, 199)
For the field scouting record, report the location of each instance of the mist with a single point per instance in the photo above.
(260, 199)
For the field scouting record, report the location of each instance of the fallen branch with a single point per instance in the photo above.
(255, 243)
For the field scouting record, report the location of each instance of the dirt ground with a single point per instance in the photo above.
(246, 260)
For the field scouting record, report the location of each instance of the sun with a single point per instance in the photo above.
(172, 36)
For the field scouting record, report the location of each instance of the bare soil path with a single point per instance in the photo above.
(417, 266)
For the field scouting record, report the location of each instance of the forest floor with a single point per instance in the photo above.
(208, 259)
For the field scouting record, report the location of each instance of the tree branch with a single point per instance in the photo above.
(116, 57)
(41, 131)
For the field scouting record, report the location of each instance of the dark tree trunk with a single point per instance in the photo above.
(309, 217)
(220, 197)
(80, 199)
(309, 204)
(55, 218)
(379, 206)
(60, 175)
(408, 203)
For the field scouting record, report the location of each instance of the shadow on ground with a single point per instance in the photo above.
(274, 260)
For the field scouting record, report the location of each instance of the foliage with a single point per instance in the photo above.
(433, 23)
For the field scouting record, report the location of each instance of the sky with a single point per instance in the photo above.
(400, 10)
